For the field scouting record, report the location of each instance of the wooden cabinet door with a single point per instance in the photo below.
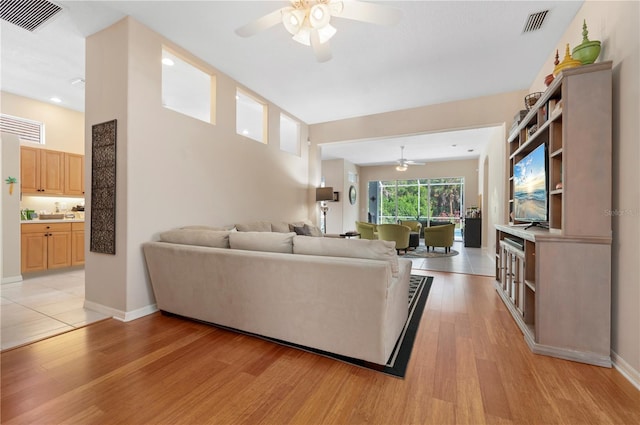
(52, 172)
(34, 252)
(77, 247)
(29, 170)
(74, 174)
(58, 250)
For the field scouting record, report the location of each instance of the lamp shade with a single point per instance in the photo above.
(324, 194)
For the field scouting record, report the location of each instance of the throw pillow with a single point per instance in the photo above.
(296, 224)
(349, 248)
(210, 238)
(302, 231)
(262, 241)
(281, 227)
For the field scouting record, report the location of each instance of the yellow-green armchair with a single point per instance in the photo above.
(441, 236)
(396, 233)
(414, 225)
(366, 230)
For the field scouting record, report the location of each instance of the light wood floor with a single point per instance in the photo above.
(469, 365)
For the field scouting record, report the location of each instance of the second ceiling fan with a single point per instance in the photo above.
(309, 21)
(403, 163)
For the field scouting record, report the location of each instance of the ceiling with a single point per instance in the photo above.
(439, 52)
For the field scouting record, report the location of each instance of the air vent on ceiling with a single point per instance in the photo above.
(28, 14)
(535, 21)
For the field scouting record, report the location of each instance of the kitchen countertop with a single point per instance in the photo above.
(61, 220)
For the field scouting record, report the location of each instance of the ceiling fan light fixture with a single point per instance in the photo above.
(293, 20)
(401, 167)
(304, 35)
(319, 16)
(309, 21)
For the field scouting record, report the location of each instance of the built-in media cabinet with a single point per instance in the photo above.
(556, 281)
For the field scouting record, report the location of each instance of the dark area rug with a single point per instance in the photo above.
(419, 287)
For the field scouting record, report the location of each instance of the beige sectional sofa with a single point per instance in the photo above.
(344, 296)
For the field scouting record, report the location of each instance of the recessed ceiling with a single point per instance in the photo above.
(439, 52)
(428, 147)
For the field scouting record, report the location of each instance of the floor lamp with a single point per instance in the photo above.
(324, 194)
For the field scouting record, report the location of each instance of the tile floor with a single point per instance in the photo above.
(43, 305)
(469, 260)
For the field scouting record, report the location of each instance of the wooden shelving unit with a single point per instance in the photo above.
(556, 282)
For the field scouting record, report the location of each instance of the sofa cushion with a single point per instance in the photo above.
(200, 237)
(256, 226)
(280, 227)
(262, 241)
(350, 248)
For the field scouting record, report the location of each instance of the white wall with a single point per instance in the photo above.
(333, 174)
(350, 212)
(173, 170)
(494, 207)
(10, 207)
(341, 216)
(615, 24)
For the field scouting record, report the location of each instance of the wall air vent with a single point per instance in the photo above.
(28, 14)
(535, 21)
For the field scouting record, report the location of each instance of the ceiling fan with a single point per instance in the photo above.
(403, 164)
(309, 21)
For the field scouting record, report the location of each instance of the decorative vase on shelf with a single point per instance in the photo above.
(587, 52)
(567, 62)
(549, 78)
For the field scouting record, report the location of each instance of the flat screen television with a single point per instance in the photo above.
(530, 187)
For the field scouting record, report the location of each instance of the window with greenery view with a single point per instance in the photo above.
(420, 199)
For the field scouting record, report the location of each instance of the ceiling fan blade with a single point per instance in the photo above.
(369, 12)
(321, 50)
(267, 21)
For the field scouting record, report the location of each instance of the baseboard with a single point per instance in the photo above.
(12, 279)
(124, 316)
(625, 369)
(141, 312)
(575, 356)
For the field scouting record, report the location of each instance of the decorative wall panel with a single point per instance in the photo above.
(103, 187)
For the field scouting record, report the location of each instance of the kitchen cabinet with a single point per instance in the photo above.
(46, 246)
(41, 171)
(47, 172)
(73, 174)
(77, 244)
